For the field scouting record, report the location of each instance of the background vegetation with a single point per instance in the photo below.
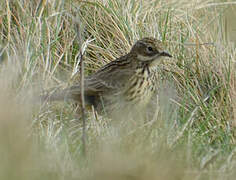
(189, 135)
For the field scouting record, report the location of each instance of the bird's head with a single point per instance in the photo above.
(149, 50)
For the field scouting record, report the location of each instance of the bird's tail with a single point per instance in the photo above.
(62, 95)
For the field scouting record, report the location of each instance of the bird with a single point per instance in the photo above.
(130, 79)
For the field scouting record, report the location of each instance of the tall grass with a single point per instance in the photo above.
(188, 135)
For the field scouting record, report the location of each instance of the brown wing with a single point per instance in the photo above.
(108, 79)
(100, 84)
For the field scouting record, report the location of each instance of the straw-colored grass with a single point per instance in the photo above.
(189, 135)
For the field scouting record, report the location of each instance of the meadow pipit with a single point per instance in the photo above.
(131, 78)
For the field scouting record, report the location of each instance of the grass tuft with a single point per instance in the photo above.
(190, 135)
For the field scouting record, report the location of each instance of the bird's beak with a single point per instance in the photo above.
(165, 53)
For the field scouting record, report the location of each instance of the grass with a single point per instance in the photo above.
(190, 135)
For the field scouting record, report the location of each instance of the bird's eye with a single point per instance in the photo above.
(150, 49)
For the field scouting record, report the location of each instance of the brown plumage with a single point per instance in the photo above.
(130, 78)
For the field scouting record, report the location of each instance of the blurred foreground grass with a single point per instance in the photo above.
(189, 136)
